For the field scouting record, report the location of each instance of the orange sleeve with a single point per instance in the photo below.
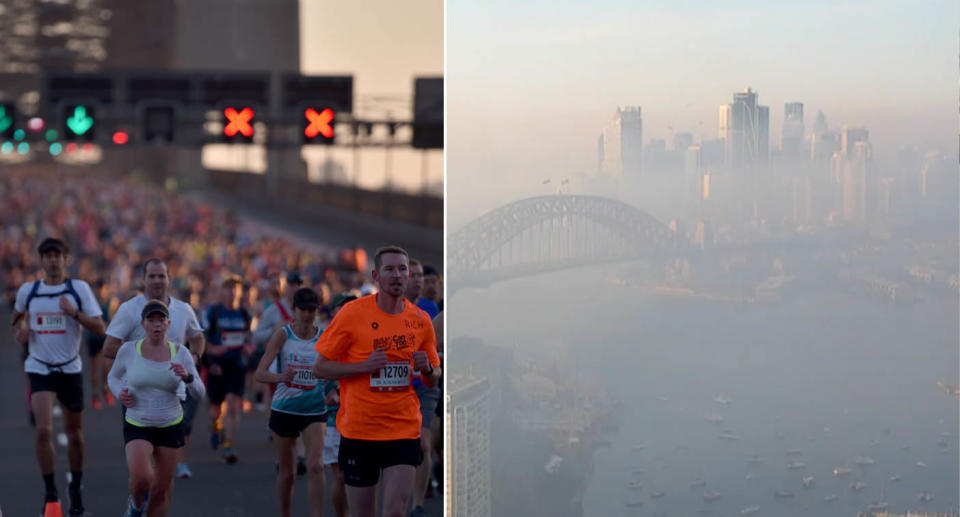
(429, 345)
(336, 338)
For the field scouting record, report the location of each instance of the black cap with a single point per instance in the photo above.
(51, 243)
(430, 270)
(305, 298)
(152, 307)
(342, 299)
(294, 278)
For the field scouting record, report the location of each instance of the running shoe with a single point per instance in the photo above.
(131, 511)
(108, 398)
(96, 403)
(418, 512)
(214, 440)
(183, 471)
(229, 456)
(76, 502)
(301, 465)
(51, 499)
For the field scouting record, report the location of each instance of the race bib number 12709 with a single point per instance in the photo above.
(395, 376)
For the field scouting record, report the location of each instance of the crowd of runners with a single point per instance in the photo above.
(183, 312)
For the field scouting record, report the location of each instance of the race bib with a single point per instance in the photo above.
(303, 378)
(50, 323)
(232, 338)
(395, 376)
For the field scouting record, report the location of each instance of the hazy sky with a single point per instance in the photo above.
(530, 86)
(384, 44)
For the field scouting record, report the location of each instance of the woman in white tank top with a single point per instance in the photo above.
(148, 378)
(297, 406)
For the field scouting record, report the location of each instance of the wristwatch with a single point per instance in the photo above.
(188, 379)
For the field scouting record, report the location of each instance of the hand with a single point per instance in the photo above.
(421, 362)
(21, 334)
(287, 376)
(215, 369)
(67, 306)
(179, 370)
(333, 398)
(376, 360)
(127, 398)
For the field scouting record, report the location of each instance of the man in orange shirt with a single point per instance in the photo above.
(374, 346)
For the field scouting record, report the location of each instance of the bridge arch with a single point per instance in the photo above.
(630, 234)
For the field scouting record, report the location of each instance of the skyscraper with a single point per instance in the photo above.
(857, 182)
(745, 129)
(791, 137)
(849, 137)
(467, 463)
(621, 150)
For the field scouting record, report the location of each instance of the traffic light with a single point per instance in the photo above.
(159, 124)
(8, 118)
(428, 113)
(79, 121)
(318, 126)
(238, 124)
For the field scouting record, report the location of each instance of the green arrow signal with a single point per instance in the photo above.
(5, 120)
(79, 123)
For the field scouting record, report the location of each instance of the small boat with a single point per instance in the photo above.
(656, 495)
(925, 497)
(873, 443)
(921, 465)
(750, 510)
(797, 465)
(721, 399)
(710, 495)
(864, 461)
(698, 484)
(794, 452)
(754, 459)
(727, 435)
(635, 485)
(748, 476)
(638, 447)
(663, 398)
(830, 498)
(894, 478)
(783, 494)
(841, 471)
(807, 482)
(858, 486)
(878, 506)
(713, 417)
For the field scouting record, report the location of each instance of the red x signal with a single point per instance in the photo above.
(239, 122)
(319, 123)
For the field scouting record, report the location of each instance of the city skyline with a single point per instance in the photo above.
(551, 78)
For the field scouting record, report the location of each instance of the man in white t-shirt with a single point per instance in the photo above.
(51, 314)
(184, 329)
